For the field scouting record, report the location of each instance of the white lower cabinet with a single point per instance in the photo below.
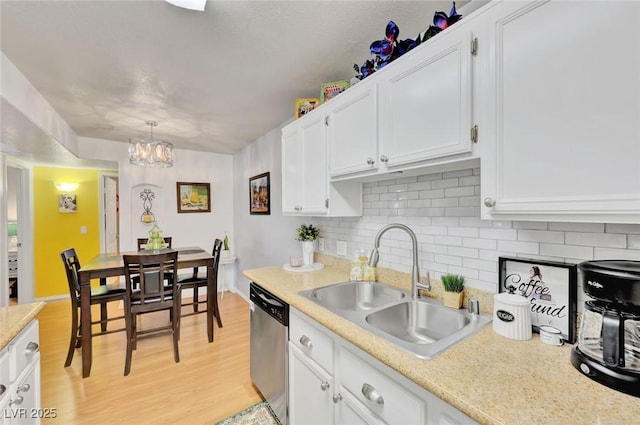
(352, 387)
(20, 379)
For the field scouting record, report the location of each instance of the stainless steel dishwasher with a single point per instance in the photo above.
(269, 338)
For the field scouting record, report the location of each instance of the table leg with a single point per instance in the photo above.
(103, 309)
(85, 323)
(211, 300)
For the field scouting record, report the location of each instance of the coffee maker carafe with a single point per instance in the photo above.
(608, 349)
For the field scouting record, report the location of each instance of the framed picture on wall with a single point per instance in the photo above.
(260, 194)
(67, 203)
(193, 197)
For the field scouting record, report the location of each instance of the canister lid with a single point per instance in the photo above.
(511, 299)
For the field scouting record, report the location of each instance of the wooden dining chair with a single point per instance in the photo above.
(142, 243)
(151, 295)
(99, 295)
(197, 281)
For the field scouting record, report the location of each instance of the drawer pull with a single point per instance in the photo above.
(31, 348)
(17, 401)
(372, 394)
(370, 161)
(324, 386)
(23, 388)
(2, 389)
(306, 341)
(337, 398)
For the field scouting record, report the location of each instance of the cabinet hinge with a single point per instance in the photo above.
(474, 47)
(474, 134)
(326, 121)
(326, 203)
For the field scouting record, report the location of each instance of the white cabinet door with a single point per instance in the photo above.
(25, 396)
(304, 167)
(314, 165)
(562, 102)
(425, 101)
(310, 391)
(353, 131)
(291, 171)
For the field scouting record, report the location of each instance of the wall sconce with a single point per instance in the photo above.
(66, 186)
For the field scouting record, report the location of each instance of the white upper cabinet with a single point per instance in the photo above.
(561, 108)
(353, 130)
(425, 101)
(304, 170)
(306, 189)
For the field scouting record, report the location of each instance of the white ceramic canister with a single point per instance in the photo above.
(511, 316)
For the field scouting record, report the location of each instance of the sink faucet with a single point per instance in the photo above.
(415, 272)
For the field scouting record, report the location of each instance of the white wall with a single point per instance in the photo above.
(261, 240)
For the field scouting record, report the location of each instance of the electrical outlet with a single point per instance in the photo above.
(341, 248)
(320, 244)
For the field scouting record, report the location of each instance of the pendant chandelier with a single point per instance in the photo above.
(150, 152)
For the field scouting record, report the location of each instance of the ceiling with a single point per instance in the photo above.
(215, 81)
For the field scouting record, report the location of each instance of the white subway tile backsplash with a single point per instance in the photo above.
(632, 229)
(633, 241)
(448, 240)
(540, 236)
(443, 209)
(463, 231)
(519, 247)
(502, 234)
(480, 243)
(616, 254)
(441, 184)
(605, 240)
(531, 225)
(563, 251)
(577, 227)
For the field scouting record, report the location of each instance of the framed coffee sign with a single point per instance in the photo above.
(550, 287)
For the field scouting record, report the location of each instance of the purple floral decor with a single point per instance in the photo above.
(390, 48)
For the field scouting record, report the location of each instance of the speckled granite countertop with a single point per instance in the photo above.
(14, 318)
(492, 379)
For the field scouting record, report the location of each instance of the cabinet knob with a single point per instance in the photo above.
(370, 161)
(306, 341)
(384, 158)
(489, 202)
(2, 389)
(372, 394)
(23, 388)
(31, 348)
(337, 398)
(324, 386)
(17, 401)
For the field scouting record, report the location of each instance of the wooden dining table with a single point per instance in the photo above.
(112, 265)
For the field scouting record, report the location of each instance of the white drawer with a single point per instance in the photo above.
(311, 341)
(397, 405)
(23, 348)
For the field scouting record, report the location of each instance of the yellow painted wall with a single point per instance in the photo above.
(54, 231)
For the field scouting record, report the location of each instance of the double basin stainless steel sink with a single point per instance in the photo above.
(424, 327)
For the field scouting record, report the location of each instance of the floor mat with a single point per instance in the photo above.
(259, 414)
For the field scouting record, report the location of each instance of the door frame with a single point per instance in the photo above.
(103, 204)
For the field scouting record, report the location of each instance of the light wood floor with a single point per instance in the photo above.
(210, 383)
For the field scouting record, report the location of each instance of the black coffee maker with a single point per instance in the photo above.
(608, 349)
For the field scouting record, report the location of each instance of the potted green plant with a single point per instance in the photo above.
(307, 234)
(453, 290)
(226, 252)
